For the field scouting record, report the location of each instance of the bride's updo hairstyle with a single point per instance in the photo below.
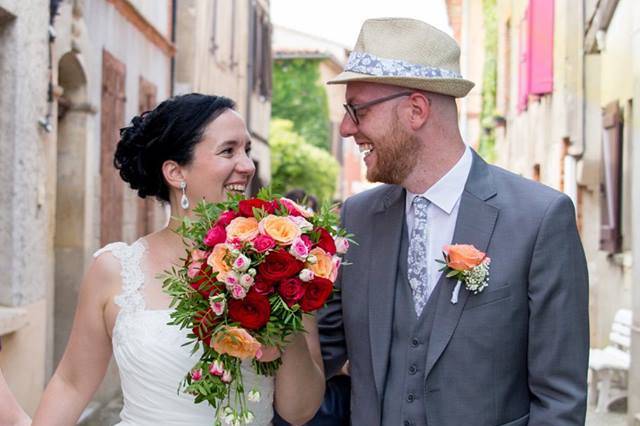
(169, 132)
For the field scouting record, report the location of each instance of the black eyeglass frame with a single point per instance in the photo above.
(352, 109)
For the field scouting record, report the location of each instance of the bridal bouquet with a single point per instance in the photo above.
(253, 268)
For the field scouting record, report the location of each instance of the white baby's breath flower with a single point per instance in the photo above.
(253, 396)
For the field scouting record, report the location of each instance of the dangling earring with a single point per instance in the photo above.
(184, 201)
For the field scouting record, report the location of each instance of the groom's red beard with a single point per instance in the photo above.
(396, 155)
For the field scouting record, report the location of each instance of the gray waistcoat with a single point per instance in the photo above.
(403, 400)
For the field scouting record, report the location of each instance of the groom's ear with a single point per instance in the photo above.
(173, 173)
(419, 109)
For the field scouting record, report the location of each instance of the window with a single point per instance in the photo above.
(536, 51)
(611, 179)
(260, 51)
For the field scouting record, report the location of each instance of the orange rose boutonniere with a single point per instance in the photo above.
(468, 265)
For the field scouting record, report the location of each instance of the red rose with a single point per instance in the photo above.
(291, 290)
(326, 241)
(204, 323)
(263, 243)
(204, 282)
(262, 286)
(316, 294)
(216, 235)
(246, 206)
(252, 312)
(279, 265)
(225, 218)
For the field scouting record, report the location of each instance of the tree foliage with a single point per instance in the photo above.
(489, 81)
(299, 96)
(298, 164)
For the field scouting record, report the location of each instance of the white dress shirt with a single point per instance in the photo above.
(442, 213)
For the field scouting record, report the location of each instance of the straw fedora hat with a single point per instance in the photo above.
(408, 53)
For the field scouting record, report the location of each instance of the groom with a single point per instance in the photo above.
(420, 352)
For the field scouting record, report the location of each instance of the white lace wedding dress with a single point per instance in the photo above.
(153, 362)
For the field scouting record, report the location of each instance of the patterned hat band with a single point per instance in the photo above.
(366, 63)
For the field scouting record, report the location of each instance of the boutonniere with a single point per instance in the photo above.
(468, 265)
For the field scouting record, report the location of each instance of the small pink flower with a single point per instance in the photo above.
(342, 245)
(262, 243)
(236, 243)
(217, 368)
(229, 278)
(246, 280)
(196, 375)
(226, 376)
(216, 235)
(218, 304)
(259, 353)
(241, 263)
(299, 249)
(306, 275)
(238, 292)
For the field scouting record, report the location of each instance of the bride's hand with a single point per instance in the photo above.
(269, 353)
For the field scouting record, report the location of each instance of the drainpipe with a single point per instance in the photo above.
(172, 72)
(251, 56)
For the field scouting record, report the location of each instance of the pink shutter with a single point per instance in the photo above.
(541, 46)
(524, 61)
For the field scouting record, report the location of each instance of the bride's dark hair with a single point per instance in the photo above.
(169, 132)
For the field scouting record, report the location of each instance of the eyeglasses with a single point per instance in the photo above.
(352, 109)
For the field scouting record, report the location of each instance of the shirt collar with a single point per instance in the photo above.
(446, 192)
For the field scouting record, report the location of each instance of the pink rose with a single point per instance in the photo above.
(302, 223)
(336, 266)
(216, 235)
(229, 278)
(218, 304)
(263, 243)
(307, 240)
(226, 376)
(196, 375)
(241, 263)
(238, 292)
(342, 245)
(217, 368)
(299, 249)
(295, 209)
(246, 280)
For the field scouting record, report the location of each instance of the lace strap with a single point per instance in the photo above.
(130, 256)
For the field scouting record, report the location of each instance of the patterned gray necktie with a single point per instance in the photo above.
(417, 260)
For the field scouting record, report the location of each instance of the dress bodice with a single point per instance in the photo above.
(152, 361)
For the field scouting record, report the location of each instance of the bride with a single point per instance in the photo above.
(191, 147)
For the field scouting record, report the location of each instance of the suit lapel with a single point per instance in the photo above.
(387, 231)
(474, 225)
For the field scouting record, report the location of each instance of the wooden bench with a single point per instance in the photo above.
(609, 367)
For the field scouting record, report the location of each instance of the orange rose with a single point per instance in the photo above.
(280, 228)
(324, 263)
(463, 257)
(242, 228)
(236, 342)
(218, 259)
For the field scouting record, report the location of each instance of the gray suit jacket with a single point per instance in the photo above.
(514, 354)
